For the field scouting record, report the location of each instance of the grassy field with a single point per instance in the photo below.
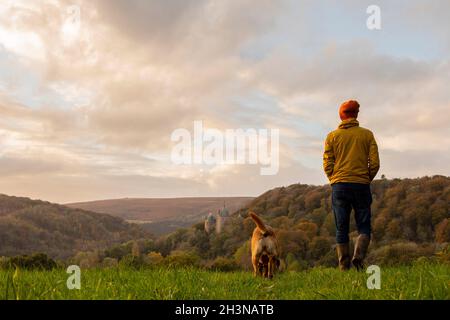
(421, 281)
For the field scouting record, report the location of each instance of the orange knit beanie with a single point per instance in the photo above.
(349, 109)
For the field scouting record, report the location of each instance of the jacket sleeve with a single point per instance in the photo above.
(328, 156)
(374, 159)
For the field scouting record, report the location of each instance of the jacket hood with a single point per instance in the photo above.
(349, 123)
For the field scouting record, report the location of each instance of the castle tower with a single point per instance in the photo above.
(210, 223)
(222, 218)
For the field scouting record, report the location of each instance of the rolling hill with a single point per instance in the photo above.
(28, 226)
(163, 215)
(410, 219)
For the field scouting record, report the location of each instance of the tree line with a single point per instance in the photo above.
(410, 219)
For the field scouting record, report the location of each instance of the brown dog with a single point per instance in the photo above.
(265, 250)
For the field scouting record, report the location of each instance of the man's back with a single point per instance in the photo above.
(351, 154)
(351, 161)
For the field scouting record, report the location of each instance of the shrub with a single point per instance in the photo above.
(443, 255)
(179, 258)
(222, 264)
(319, 247)
(36, 261)
(294, 264)
(327, 260)
(131, 261)
(242, 256)
(110, 262)
(4, 262)
(399, 253)
(87, 259)
(154, 258)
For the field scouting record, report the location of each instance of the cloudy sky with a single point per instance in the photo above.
(88, 105)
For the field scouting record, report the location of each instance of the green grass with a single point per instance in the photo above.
(421, 281)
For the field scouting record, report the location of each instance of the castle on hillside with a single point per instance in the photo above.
(217, 222)
(210, 223)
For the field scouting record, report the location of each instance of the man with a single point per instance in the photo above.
(351, 162)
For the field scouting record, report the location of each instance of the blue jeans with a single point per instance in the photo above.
(344, 197)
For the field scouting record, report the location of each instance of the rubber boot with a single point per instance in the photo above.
(343, 253)
(362, 243)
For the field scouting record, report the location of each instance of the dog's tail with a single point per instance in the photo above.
(259, 223)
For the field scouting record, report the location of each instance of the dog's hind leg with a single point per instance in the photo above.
(266, 271)
(263, 265)
(271, 268)
(255, 263)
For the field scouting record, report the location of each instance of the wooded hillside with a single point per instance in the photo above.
(28, 226)
(410, 218)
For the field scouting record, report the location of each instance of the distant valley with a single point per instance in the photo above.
(163, 215)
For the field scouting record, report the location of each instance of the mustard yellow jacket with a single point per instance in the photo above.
(351, 154)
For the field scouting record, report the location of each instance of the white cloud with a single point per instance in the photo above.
(88, 113)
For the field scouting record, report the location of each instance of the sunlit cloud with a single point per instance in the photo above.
(90, 91)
